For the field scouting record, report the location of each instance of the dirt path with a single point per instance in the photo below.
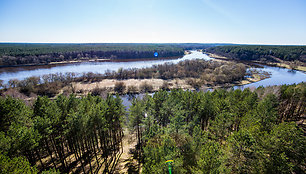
(126, 163)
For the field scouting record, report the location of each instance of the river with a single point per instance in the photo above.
(96, 67)
(279, 76)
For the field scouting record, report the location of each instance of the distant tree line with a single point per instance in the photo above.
(20, 54)
(261, 52)
(65, 135)
(231, 131)
(195, 46)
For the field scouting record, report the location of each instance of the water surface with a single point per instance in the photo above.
(279, 76)
(85, 67)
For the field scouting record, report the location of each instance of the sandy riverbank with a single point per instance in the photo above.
(78, 61)
(286, 65)
(109, 84)
(217, 57)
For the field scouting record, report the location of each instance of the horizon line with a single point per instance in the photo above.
(230, 43)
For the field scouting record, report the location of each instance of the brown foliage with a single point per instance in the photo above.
(99, 92)
(165, 86)
(49, 89)
(195, 83)
(145, 87)
(132, 89)
(14, 93)
(119, 87)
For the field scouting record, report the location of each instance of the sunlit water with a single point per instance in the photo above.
(279, 76)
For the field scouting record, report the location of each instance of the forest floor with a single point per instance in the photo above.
(127, 163)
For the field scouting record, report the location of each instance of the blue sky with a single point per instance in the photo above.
(157, 21)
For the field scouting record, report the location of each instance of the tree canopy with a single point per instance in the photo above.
(222, 131)
(261, 52)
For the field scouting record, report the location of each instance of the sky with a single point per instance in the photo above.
(280, 22)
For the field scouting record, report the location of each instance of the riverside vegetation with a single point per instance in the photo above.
(222, 131)
(293, 57)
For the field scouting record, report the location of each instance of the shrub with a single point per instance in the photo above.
(98, 91)
(165, 86)
(50, 89)
(132, 89)
(196, 84)
(119, 87)
(145, 87)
